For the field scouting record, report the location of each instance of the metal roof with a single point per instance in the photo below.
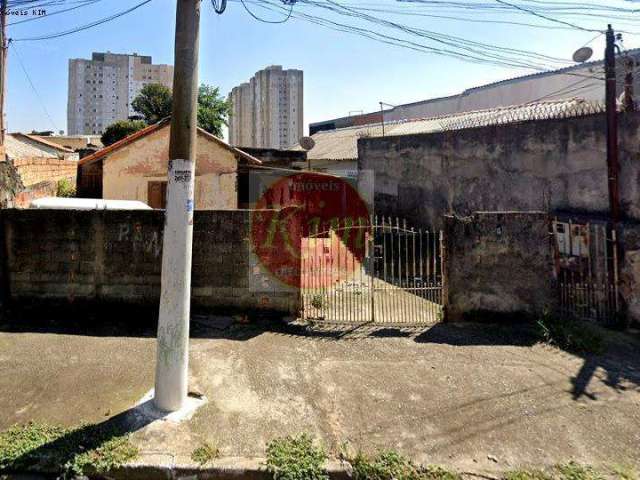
(342, 144)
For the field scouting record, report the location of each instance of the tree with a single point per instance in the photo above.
(153, 103)
(213, 110)
(119, 130)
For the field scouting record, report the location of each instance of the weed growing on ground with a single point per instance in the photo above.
(528, 475)
(205, 453)
(575, 471)
(625, 472)
(296, 458)
(569, 334)
(390, 465)
(71, 452)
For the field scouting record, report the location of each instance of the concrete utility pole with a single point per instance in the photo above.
(172, 364)
(612, 125)
(4, 51)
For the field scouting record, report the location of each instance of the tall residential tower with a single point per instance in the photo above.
(101, 89)
(267, 112)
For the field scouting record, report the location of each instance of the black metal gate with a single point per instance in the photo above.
(587, 270)
(394, 276)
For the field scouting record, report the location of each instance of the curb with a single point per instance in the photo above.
(223, 469)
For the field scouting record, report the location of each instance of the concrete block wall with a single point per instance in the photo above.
(498, 262)
(92, 258)
(557, 165)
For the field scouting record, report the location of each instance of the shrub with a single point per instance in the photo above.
(72, 452)
(205, 453)
(296, 458)
(121, 129)
(575, 471)
(66, 188)
(570, 334)
(390, 465)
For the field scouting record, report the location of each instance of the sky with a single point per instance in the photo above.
(343, 72)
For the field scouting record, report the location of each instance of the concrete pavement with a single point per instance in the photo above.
(460, 396)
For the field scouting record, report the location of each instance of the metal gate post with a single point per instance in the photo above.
(444, 269)
(371, 247)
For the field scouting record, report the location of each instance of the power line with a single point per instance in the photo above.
(33, 87)
(532, 12)
(84, 27)
(285, 19)
(57, 12)
(219, 8)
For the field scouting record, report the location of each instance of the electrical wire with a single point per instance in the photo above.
(33, 87)
(532, 12)
(219, 8)
(285, 19)
(57, 12)
(84, 27)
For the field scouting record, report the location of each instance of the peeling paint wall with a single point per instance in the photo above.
(556, 164)
(498, 262)
(128, 171)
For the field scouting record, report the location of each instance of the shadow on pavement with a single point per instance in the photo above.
(620, 363)
(53, 457)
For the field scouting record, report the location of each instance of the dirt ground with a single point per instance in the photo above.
(473, 397)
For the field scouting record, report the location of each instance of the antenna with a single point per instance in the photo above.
(582, 54)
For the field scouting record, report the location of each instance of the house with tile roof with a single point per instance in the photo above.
(36, 167)
(135, 168)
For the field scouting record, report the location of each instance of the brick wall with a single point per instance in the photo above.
(498, 262)
(37, 170)
(91, 258)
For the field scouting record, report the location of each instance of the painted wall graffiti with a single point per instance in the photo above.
(143, 238)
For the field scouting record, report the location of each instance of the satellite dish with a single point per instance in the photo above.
(582, 54)
(307, 143)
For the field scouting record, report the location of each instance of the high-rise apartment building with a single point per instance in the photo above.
(267, 111)
(102, 89)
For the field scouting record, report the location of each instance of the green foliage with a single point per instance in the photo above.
(66, 188)
(205, 453)
(70, 452)
(625, 472)
(296, 458)
(121, 129)
(571, 471)
(18, 442)
(390, 465)
(569, 334)
(528, 475)
(153, 103)
(213, 110)
(575, 471)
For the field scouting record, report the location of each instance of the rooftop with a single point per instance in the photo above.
(342, 144)
(20, 145)
(570, 70)
(100, 154)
